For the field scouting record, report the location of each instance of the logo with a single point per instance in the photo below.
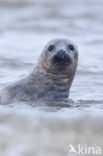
(83, 150)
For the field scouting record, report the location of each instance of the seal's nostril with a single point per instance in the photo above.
(62, 58)
(61, 54)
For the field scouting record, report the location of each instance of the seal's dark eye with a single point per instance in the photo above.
(51, 47)
(71, 47)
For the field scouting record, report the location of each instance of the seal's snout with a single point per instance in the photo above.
(62, 57)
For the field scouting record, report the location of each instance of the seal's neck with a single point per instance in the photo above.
(60, 85)
(55, 84)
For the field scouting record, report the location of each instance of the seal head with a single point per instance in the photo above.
(59, 56)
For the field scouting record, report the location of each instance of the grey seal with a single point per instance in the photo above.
(51, 79)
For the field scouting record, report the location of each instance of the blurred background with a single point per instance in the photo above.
(25, 27)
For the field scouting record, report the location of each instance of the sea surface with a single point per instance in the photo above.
(25, 27)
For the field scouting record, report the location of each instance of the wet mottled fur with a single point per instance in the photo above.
(46, 83)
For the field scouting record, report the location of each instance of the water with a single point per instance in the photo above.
(25, 27)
